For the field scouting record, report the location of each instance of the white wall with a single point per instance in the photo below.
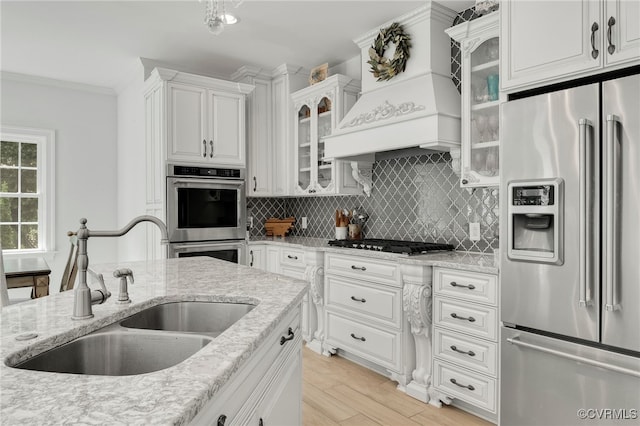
(131, 165)
(85, 122)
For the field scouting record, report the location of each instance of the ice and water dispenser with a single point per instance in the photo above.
(535, 220)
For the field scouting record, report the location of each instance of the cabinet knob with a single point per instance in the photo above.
(465, 181)
(358, 338)
(594, 51)
(456, 316)
(455, 382)
(612, 47)
(455, 284)
(289, 336)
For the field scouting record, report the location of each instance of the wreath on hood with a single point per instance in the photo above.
(382, 68)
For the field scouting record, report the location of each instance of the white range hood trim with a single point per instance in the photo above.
(419, 108)
(436, 132)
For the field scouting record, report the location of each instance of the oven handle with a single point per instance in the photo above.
(176, 247)
(209, 181)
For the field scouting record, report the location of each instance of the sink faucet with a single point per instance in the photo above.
(82, 294)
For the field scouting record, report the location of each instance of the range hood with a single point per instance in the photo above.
(418, 108)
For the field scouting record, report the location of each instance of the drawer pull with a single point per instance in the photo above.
(355, 299)
(470, 319)
(455, 382)
(358, 338)
(361, 268)
(455, 284)
(470, 353)
(222, 420)
(292, 257)
(284, 339)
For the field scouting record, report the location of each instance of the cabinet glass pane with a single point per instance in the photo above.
(325, 169)
(485, 81)
(485, 125)
(484, 160)
(304, 147)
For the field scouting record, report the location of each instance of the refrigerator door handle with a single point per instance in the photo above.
(516, 341)
(586, 209)
(611, 219)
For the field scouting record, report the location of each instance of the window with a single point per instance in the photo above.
(26, 190)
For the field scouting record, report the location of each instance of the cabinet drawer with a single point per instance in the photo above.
(466, 317)
(364, 268)
(473, 286)
(475, 354)
(377, 345)
(383, 303)
(470, 387)
(292, 256)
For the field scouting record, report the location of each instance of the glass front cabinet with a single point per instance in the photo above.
(318, 110)
(479, 49)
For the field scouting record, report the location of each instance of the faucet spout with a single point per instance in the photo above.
(82, 294)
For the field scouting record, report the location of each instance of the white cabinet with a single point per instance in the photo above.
(364, 314)
(480, 49)
(268, 387)
(257, 257)
(465, 339)
(205, 126)
(270, 129)
(623, 18)
(303, 264)
(318, 109)
(545, 42)
(195, 120)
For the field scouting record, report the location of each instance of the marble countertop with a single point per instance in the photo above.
(170, 396)
(468, 261)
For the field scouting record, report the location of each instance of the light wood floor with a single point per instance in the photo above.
(339, 392)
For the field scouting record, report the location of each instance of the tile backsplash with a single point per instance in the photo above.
(416, 198)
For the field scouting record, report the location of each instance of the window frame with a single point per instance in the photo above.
(45, 139)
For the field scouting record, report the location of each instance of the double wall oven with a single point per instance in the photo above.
(206, 212)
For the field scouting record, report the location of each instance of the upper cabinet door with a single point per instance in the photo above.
(186, 123)
(323, 127)
(303, 148)
(544, 41)
(621, 31)
(226, 128)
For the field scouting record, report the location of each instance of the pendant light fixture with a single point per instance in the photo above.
(216, 16)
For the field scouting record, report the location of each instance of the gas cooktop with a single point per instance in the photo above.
(391, 246)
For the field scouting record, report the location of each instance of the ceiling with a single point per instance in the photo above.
(99, 42)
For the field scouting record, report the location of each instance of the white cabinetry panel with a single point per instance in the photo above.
(186, 122)
(374, 344)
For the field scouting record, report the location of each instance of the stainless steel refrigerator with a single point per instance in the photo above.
(570, 268)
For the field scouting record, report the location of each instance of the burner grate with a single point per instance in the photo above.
(391, 246)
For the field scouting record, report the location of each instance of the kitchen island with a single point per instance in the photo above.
(170, 396)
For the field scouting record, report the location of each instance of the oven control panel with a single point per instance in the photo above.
(175, 170)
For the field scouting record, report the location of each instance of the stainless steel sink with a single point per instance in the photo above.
(117, 353)
(156, 338)
(210, 318)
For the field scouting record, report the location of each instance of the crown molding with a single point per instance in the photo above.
(52, 82)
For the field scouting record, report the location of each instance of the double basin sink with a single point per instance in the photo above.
(153, 339)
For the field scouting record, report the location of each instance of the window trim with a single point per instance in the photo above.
(46, 183)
